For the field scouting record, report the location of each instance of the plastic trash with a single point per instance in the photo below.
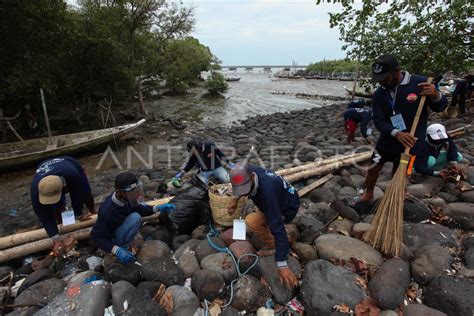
(93, 262)
(13, 212)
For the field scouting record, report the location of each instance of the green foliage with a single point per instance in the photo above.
(335, 66)
(216, 83)
(97, 49)
(428, 37)
(183, 61)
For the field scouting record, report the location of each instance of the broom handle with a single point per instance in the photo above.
(417, 116)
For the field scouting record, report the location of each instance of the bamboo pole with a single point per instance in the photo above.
(314, 185)
(327, 168)
(26, 237)
(46, 118)
(316, 164)
(47, 243)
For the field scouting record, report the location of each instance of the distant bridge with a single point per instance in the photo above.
(265, 67)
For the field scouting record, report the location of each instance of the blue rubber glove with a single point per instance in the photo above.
(231, 165)
(164, 208)
(179, 175)
(123, 255)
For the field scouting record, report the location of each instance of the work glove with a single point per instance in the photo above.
(177, 183)
(230, 165)
(123, 255)
(179, 175)
(164, 208)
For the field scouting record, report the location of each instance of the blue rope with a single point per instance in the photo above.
(215, 233)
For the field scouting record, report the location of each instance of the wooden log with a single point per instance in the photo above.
(47, 243)
(307, 166)
(26, 237)
(316, 171)
(314, 185)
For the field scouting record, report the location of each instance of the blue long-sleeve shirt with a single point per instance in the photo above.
(425, 150)
(406, 102)
(359, 116)
(279, 201)
(206, 160)
(76, 184)
(112, 213)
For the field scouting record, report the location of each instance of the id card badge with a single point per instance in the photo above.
(398, 122)
(68, 218)
(369, 131)
(239, 231)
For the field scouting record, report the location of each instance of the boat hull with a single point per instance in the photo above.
(73, 145)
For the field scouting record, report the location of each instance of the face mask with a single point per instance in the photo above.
(134, 194)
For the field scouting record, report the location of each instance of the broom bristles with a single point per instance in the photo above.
(386, 231)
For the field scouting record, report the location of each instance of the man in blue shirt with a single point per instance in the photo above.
(394, 105)
(120, 217)
(356, 104)
(52, 180)
(277, 202)
(354, 117)
(207, 157)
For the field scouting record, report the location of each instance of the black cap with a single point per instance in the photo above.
(382, 66)
(125, 180)
(194, 143)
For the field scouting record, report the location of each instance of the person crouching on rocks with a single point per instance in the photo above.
(120, 217)
(441, 154)
(52, 180)
(208, 158)
(354, 117)
(277, 202)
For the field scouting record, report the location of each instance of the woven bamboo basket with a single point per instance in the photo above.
(220, 203)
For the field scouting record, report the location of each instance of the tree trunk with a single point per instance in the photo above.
(140, 97)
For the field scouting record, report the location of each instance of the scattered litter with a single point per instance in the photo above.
(296, 306)
(187, 283)
(93, 262)
(13, 212)
(442, 235)
(109, 311)
(342, 308)
(125, 305)
(15, 287)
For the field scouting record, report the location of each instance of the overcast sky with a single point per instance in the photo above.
(266, 32)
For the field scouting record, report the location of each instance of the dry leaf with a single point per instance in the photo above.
(411, 294)
(342, 308)
(215, 310)
(362, 283)
(367, 307)
(166, 302)
(160, 293)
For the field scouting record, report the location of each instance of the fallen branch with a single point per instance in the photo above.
(314, 185)
(29, 236)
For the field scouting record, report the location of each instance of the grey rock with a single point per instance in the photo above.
(203, 249)
(344, 247)
(191, 244)
(388, 313)
(359, 229)
(430, 261)
(153, 249)
(208, 285)
(130, 272)
(35, 277)
(189, 263)
(230, 311)
(222, 263)
(5, 271)
(304, 252)
(358, 180)
(378, 193)
(462, 213)
(141, 302)
(389, 284)
(325, 285)
(346, 192)
(281, 293)
(419, 235)
(79, 278)
(341, 226)
(179, 240)
(345, 211)
(322, 195)
(240, 249)
(250, 294)
(448, 198)
(181, 297)
(121, 292)
(415, 211)
(469, 258)
(164, 270)
(450, 295)
(421, 310)
(41, 293)
(467, 196)
(435, 201)
(419, 190)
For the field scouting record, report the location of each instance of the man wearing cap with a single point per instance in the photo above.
(356, 104)
(353, 117)
(277, 202)
(207, 157)
(120, 217)
(394, 105)
(52, 180)
(441, 151)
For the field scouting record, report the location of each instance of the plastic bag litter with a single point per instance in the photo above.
(192, 210)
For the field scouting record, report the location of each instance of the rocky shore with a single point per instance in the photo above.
(182, 274)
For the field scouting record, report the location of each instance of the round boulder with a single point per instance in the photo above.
(153, 249)
(249, 294)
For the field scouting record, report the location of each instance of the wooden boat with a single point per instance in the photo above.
(31, 151)
(232, 79)
(358, 93)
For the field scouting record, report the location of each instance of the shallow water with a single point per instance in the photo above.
(250, 96)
